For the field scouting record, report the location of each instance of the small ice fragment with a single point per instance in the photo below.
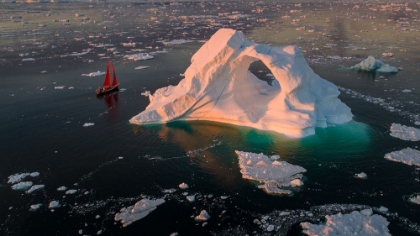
(204, 216)
(34, 174)
(224, 197)
(120, 158)
(415, 199)
(99, 232)
(54, 204)
(62, 188)
(406, 91)
(171, 190)
(140, 210)
(257, 222)
(183, 186)
(93, 74)
(71, 191)
(270, 228)
(88, 124)
(22, 185)
(35, 207)
(97, 216)
(59, 87)
(80, 231)
(383, 209)
(16, 178)
(44, 71)
(141, 67)
(146, 93)
(174, 234)
(35, 187)
(191, 198)
(361, 175)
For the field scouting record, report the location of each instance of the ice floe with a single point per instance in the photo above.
(22, 185)
(139, 57)
(274, 175)
(141, 67)
(62, 188)
(203, 216)
(183, 186)
(35, 188)
(35, 207)
(54, 204)
(219, 87)
(374, 65)
(88, 124)
(361, 175)
(354, 223)
(414, 199)
(93, 74)
(71, 191)
(140, 210)
(407, 156)
(16, 178)
(405, 132)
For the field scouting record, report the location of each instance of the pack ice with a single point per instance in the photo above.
(219, 87)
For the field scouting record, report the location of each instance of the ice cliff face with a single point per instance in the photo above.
(218, 87)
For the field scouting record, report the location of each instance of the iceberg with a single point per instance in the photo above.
(373, 64)
(140, 210)
(219, 87)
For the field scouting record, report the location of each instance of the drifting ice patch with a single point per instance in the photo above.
(54, 204)
(204, 216)
(356, 222)
(404, 132)
(218, 87)
(35, 187)
(361, 175)
(16, 178)
(415, 199)
(407, 156)
(22, 185)
(373, 64)
(93, 74)
(88, 124)
(139, 57)
(140, 210)
(35, 207)
(273, 174)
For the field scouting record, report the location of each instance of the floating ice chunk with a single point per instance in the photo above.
(59, 87)
(141, 67)
(62, 188)
(176, 42)
(383, 209)
(219, 87)
(275, 157)
(22, 185)
(204, 216)
(88, 124)
(361, 175)
(270, 228)
(273, 174)
(372, 64)
(171, 190)
(35, 187)
(16, 178)
(404, 132)
(367, 212)
(223, 197)
(71, 191)
(77, 54)
(415, 199)
(54, 204)
(407, 156)
(145, 93)
(191, 198)
(406, 91)
(35, 207)
(183, 186)
(140, 210)
(34, 174)
(139, 57)
(93, 74)
(28, 59)
(354, 223)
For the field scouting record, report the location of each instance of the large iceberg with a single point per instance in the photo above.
(219, 87)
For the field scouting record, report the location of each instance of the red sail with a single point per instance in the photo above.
(107, 81)
(114, 79)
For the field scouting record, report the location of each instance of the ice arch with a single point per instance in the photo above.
(218, 87)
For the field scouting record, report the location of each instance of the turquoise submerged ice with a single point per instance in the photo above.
(375, 65)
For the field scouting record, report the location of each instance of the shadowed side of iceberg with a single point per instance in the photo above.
(219, 87)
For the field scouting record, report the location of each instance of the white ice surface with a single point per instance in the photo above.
(71, 191)
(415, 199)
(140, 210)
(361, 175)
(87, 124)
(373, 64)
(35, 188)
(274, 175)
(183, 186)
(405, 132)
(62, 188)
(354, 223)
(93, 74)
(139, 57)
(35, 207)
(54, 204)
(16, 178)
(22, 185)
(407, 156)
(218, 87)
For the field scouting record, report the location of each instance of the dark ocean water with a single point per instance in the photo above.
(114, 164)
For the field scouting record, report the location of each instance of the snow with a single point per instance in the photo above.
(183, 186)
(54, 204)
(93, 74)
(373, 64)
(354, 223)
(274, 175)
(35, 188)
(218, 87)
(404, 132)
(204, 216)
(140, 210)
(407, 156)
(22, 185)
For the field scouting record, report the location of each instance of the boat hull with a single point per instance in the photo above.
(106, 90)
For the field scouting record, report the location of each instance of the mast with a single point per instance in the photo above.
(107, 81)
(114, 77)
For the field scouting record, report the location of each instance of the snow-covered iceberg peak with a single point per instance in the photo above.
(219, 87)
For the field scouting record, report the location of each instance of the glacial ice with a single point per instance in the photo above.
(22, 185)
(54, 204)
(405, 132)
(140, 210)
(204, 216)
(415, 199)
(373, 64)
(354, 223)
(407, 156)
(274, 175)
(218, 87)
(35, 188)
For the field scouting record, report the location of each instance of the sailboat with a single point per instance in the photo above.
(108, 87)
